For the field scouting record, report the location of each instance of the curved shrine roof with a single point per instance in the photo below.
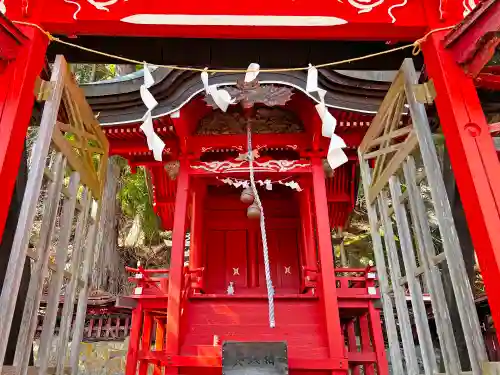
(352, 100)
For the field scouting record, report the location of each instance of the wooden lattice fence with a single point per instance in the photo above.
(70, 159)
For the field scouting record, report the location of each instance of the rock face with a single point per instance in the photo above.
(98, 358)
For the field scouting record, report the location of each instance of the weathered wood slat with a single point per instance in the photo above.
(451, 245)
(394, 164)
(399, 293)
(69, 296)
(410, 265)
(390, 322)
(393, 120)
(382, 135)
(51, 265)
(57, 277)
(84, 291)
(30, 370)
(383, 151)
(394, 134)
(42, 252)
(80, 156)
(14, 271)
(377, 124)
(64, 146)
(432, 274)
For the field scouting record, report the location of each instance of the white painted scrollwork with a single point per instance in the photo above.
(100, 5)
(366, 6)
(469, 6)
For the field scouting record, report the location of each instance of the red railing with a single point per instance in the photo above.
(146, 284)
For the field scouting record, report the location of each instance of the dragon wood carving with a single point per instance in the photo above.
(265, 121)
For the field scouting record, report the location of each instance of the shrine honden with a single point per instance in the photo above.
(257, 142)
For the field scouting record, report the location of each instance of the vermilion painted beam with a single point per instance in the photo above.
(11, 39)
(488, 81)
(17, 84)
(473, 42)
(177, 263)
(494, 128)
(299, 141)
(128, 147)
(215, 360)
(200, 144)
(473, 158)
(282, 19)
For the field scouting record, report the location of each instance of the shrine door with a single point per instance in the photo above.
(233, 245)
(283, 260)
(226, 260)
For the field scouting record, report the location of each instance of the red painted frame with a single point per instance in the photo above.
(467, 135)
(474, 41)
(349, 20)
(17, 84)
(11, 39)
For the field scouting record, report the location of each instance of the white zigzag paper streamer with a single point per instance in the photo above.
(155, 143)
(220, 96)
(252, 72)
(336, 155)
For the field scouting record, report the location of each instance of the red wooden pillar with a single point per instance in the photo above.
(134, 340)
(378, 340)
(17, 83)
(364, 328)
(147, 327)
(159, 342)
(473, 158)
(353, 345)
(325, 252)
(177, 263)
(195, 250)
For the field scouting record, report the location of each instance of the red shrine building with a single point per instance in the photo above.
(260, 166)
(226, 274)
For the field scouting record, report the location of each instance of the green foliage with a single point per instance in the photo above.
(135, 201)
(86, 73)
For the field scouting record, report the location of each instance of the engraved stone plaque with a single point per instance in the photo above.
(254, 358)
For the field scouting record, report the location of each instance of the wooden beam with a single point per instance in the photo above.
(125, 302)
(11, 39)
(473, 42)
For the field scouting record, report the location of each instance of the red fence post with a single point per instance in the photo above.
(134, 340)
(177, 263)
(325, 252)
(473, 158)
(17, 83)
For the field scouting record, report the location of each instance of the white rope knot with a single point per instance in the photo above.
(265, 249)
